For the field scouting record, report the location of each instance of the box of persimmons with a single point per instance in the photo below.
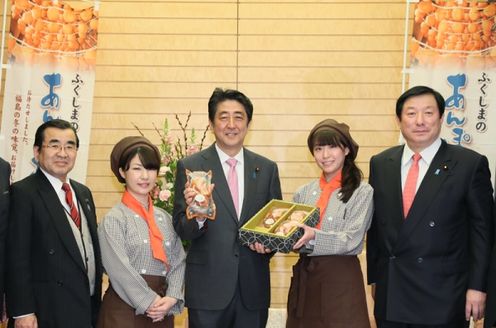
(275, 225)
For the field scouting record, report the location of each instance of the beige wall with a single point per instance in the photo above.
(299, 62)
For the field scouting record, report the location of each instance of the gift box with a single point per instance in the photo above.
(272, 226)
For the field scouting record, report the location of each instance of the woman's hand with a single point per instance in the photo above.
(309, 234)
(160, 308)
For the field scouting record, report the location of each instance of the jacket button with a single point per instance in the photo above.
(60, 283)
(432, 224)
(420, 260)
(51, 251)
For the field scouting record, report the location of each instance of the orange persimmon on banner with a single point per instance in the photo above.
(50, 74)
(456, 29)
(46, 30)
(453, 50)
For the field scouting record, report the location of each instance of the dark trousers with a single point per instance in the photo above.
(391, 324)
(235, 315)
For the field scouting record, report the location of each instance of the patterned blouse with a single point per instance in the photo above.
(343, 225)
(126, 255)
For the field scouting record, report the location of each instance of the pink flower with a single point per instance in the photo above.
(164, 195)
(192, 149)
(155, 192)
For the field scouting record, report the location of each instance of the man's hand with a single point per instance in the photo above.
(29, 321)
(308, 235)
(190, 193)
(372, 291)
(259, 248)
(475, 304)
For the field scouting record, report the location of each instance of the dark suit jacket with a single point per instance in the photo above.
(4, 214)
(216, 261)
(490, 319)
(46, 273)
(424, 264)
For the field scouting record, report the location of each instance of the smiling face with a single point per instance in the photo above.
(58, 152)
(230, 126)
(330, 159)
(420, 121)
(139, 180)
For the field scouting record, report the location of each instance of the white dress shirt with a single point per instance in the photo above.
(240, 170)
(424, 163)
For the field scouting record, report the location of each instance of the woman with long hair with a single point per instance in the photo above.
(327, 288)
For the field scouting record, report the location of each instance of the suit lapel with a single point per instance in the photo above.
(221, 189)
(86, 206)
(59, 218)
(437, 173)
(251, 172)
(395, 197)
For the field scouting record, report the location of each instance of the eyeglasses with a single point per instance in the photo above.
(56, 147)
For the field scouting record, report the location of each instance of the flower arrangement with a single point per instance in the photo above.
(172, 151)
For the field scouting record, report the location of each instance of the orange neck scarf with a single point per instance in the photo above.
(156, 238)
(327, 189)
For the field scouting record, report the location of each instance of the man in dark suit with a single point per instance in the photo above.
(429, 244)
(54, 268)
(227, 285)
(4, 214)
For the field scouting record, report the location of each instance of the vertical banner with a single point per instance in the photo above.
(51, 74)
(453, 50)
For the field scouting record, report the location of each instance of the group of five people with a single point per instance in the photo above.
(427, 212)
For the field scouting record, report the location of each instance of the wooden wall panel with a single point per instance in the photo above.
(315, 58)
(324, 10)
(300, 61)
(283, 26)
(313, 75)
(169, 9)
(156, 58)
(168, 42)
(167, 74)
(166, 25)
(321, 43)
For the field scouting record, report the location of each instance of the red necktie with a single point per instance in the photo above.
(232, 181)
(411, 184)
(73, 210)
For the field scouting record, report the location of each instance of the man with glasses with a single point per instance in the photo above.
(54, 271)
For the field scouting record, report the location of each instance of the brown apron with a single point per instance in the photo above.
(327, 291)
(115, 313)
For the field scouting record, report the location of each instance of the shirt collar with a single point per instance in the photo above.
(224, 157)
(427, 154)
(55, 182)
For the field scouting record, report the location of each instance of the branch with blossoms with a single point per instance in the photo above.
(171, 151)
